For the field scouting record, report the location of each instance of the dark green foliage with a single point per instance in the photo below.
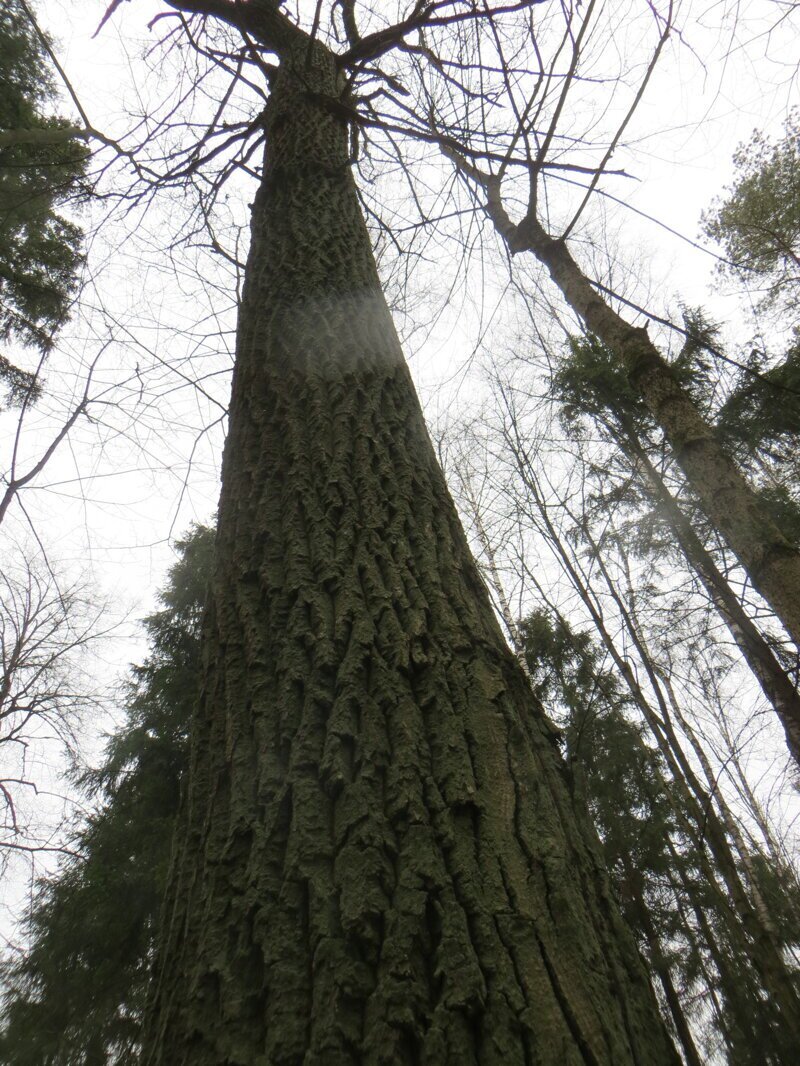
(763, 410)
(40, 249)
(624, 783)
(76, 998)
(760, 423)
(590, 382)
(758, 224)
(780, 891)
(18, 383)
(758, 221)
(615, 771)
(655, 852)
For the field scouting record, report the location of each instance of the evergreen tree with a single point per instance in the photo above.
(757, 222)
(654, 847)
(760, 422)
(42, 167)
(624, 784)
(76, 997)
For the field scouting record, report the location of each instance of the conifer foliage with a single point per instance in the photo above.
(654, 844)
(757, 221)
(755, 423)
(42, 166)
(76, 998)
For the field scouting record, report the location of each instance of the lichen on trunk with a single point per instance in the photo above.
(378, 860)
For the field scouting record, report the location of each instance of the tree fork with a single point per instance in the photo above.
(379, 862)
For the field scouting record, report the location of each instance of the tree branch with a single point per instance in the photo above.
(259, 18)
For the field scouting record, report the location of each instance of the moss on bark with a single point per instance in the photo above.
(379, 861)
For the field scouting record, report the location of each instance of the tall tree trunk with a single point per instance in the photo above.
(658, 960)
(379, 862)
(770, 559)
(759, 656)
(760, 949)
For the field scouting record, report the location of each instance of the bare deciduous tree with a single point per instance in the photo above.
(46, 628)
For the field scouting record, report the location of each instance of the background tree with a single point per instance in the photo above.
(77, 994)
(505, 165)
(670, 861)
(42, 168)
(47, 625)
(757, 221)
(593, 391)
(579, 502)
(623, 783)
(757, 224)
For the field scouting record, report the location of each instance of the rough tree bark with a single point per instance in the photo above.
(378, 860)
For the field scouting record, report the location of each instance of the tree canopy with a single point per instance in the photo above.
(42, 170)
(757, 221)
